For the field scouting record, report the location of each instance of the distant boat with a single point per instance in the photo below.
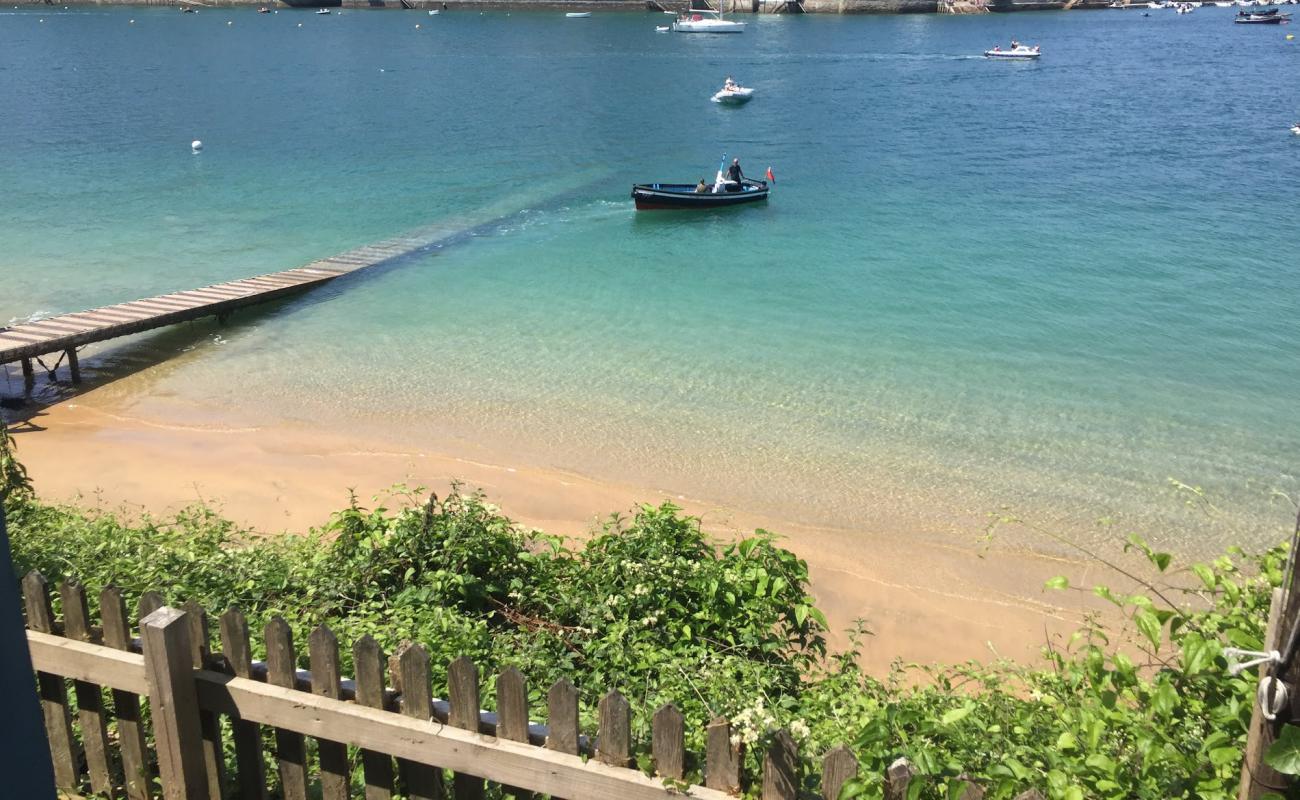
(701, 20)
(1296, 129)
(662, 29)
(1270, 17)
(733, 94)
(578, 14)
(1018, 52)
(323, 11)
(433, 12)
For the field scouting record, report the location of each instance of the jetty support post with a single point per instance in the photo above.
(29, 376)
(73, 365)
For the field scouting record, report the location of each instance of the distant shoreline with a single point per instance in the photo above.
(644, 6)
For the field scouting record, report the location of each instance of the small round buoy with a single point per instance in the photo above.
(229, 22)
(417, 26)
(299, 24)
(1290, 36)
(132, 22)
(196, 146)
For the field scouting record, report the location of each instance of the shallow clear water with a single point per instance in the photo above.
(1051, 285)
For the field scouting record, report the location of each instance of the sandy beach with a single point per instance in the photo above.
(935, 597)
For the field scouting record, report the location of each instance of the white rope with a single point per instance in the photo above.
(1256, 657)
(1273, 697)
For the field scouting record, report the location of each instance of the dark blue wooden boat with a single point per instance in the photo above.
(683, 195)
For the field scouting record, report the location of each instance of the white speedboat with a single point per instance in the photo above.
(662, 29)
(433, 12)
(323, 11)
(699, 20)
(578, 14)
(1018, 51)
(1296, 129)
(734, 95)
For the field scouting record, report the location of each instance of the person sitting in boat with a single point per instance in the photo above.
(734, 176)
(701, 187)
(729, 85)
(1014, 44)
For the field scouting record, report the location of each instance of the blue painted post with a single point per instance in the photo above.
(25, 758)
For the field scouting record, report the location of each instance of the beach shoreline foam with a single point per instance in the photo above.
(926, 598)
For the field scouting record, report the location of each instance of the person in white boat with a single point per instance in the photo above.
(1014, 44)
(729, 85)
(701, 187)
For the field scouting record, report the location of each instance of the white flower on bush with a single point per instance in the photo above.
(799, 730)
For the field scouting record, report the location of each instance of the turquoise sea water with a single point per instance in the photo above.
(1051, 285)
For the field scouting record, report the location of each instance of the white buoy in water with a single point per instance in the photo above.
(196, 146)
(229, 22)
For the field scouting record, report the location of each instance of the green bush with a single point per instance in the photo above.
(652, 607)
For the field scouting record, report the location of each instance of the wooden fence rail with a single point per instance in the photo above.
(189, 689)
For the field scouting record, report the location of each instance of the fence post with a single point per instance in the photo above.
(614, 737)
(1257, 778)
(722, 759)
(54, 692)
(90, 698)
(250, 773)
(200, 651)
(897, 778)
(463, 694)
(174, 704)
(368, 665)
(126, 706)
(324, 649)
(781, 769)
(290, 747)
(512, 716)
(838, 767)
(668, 742)
(423, 782)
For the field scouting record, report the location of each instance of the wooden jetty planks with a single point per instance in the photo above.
(68, 331)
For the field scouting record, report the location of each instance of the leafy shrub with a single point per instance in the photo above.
(652, 607)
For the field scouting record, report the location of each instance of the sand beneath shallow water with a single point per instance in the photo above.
(934, 597)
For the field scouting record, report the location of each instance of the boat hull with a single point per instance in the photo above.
(660, 196)
(695, 27)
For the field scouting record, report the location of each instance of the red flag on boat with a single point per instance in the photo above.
(770, 176)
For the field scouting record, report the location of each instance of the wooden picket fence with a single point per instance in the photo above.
(189, 688)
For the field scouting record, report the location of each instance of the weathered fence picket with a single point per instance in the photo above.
(136, 775)
(290, 746)
(53, 690)
(90, 700)
(250, 772)
(188, 690)
(368, 664)
(323, 647)
(214, 757)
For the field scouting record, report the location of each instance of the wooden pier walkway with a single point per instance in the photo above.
(64, 333)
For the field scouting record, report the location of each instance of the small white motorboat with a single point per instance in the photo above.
(1296, 129)
(733, 95)
(578, 14)
(322, 11)
(1018, 52)
(662, 29)
(700, 20)
(434, 12)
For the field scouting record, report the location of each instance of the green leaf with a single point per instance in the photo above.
(1149, 624)
(1206, 575)
(1161, 560)
(1059, 582)
(957, 714)
(1283, 755)
(1066, 741)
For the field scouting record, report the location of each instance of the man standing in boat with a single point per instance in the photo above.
(735, 176)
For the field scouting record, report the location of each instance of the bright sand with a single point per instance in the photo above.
(926, 598)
